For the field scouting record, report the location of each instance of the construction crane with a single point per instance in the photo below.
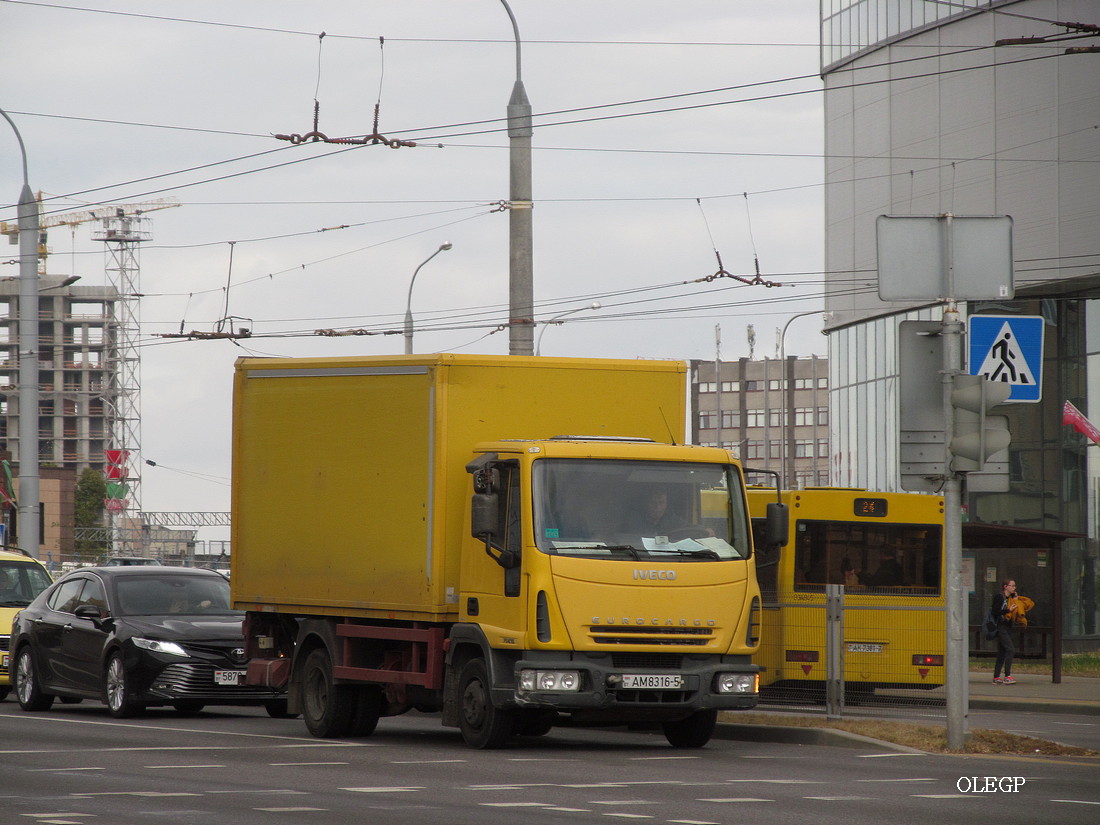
(72, 219)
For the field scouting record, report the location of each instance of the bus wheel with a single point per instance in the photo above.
(327, 708)
(482, 725)
(693, 731)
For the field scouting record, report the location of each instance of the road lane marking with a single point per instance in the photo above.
(411, 789)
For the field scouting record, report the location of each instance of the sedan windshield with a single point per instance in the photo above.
(675, 511)
(163, 595)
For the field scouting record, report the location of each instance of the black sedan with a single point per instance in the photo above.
(134, 637)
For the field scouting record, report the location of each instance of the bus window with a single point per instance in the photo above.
(881, 558)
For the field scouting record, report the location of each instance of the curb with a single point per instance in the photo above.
(796, 735)
(1073, 707)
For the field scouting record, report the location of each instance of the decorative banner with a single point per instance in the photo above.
(116, 463)
(115, 505)
(7, 489)
(1072, 417)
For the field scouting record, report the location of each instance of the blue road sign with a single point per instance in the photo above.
(1008, 348)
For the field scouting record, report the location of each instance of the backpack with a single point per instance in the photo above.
(989, 626)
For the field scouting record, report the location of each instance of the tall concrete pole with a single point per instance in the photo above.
(521, 298)
(957, 661)
(29, 534)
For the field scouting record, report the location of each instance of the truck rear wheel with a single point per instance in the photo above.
(693, 731)
(327, 708)
(482, 725)
(368, 709)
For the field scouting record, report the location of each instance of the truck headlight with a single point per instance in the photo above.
(737, 683)
(555, 680)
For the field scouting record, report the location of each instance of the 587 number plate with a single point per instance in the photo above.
(229, 677)
(652, 681)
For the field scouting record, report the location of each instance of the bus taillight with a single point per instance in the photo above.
(927, 659)
(802, 655)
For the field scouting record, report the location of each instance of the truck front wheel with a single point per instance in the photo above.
(482, 725)
(693, 731)
(327, 708)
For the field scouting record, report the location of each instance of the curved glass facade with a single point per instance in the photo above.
(992, 131)
(850, 26)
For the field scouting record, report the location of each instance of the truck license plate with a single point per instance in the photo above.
(652, 681)
(229, 677)
(864, 647)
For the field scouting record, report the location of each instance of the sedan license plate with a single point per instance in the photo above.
(229, 677)
(652, 681)
(864, 647)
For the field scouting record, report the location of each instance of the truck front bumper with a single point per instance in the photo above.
(624, 684)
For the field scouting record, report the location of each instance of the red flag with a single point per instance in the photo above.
(1072, 417)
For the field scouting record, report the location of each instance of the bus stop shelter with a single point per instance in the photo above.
(1033, 559)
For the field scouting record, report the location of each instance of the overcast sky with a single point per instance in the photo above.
(664, 132)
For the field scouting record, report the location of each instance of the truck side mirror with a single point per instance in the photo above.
(484, 515)
(776, 525)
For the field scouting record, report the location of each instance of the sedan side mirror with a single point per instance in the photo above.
(96, 615)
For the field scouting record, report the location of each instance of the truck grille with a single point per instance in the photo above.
(679, 636)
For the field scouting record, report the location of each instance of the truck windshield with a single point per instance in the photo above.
(639, 509)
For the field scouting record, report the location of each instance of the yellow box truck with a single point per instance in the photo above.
(516, 542)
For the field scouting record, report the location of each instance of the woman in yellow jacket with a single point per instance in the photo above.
(1011, 610)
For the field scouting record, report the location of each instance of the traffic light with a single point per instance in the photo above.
(977, 435)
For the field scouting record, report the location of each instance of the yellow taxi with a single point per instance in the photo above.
(21, 579)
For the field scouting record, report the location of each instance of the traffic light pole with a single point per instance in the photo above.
(957, 664)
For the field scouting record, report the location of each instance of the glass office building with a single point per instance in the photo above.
(935, 108)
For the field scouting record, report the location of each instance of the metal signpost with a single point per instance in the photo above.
(947, 258)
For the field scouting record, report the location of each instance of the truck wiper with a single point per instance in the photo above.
(698, 554)
(630, 548)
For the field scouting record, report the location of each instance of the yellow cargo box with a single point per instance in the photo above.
(350, 492)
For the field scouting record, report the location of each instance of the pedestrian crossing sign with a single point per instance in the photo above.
(1008, 348)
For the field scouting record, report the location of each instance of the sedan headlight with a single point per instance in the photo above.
(737, 683)
(157, 646)
(555, 680)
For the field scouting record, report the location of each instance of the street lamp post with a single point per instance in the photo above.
(443, 247)
(521, 297)
(29, 538)
(557, 320)
(787, 473)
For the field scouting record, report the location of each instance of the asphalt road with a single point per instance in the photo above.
(75, 765)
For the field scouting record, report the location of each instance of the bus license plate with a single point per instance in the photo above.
(864, 647)
(229, 677)
(652, 681)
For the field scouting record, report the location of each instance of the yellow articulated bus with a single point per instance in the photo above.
(887, 550)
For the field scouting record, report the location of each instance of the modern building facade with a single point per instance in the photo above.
(772, 414)
(934, 108)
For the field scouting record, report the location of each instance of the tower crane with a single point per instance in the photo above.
(72, 219)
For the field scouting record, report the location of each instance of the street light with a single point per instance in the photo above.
(69, 281)
(787, 473)
(556, 320)
(443, 247)
(29, 538)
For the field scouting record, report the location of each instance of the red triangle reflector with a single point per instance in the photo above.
(923, 671)
(807, 668)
